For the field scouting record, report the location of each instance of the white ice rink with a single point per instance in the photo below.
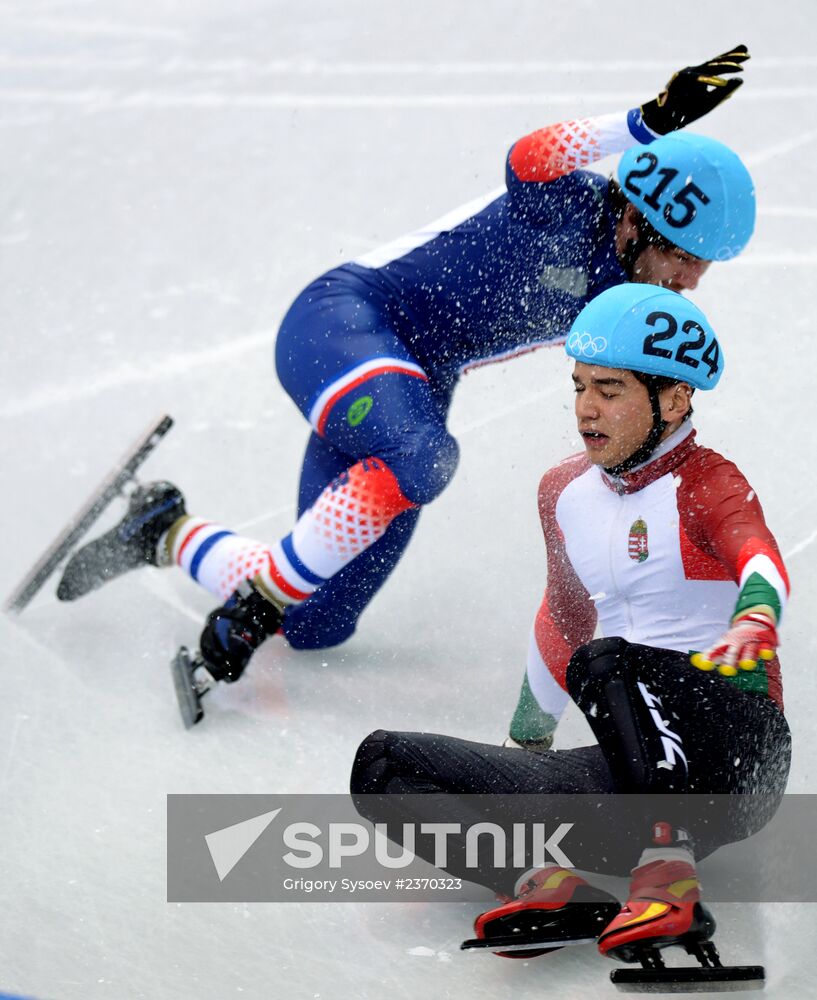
(171, 175)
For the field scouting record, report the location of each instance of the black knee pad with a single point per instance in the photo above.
(371, 770)
(594, 663)
(609, 679)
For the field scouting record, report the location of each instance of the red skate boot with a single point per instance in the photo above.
(664, 909)
(554, 907)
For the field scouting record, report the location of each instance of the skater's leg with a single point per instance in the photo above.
(364, 394)
(394, 762)
(136, 541)
(420, 778)
(666, 727)
(402, 777)
(411, 458)
(330, 615)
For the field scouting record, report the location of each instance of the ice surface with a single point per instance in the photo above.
(171, 176)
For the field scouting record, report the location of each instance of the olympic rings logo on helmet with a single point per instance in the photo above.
(586, 344)
(646, 328)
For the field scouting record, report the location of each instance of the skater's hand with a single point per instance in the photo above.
(694, 91)
(751, 637)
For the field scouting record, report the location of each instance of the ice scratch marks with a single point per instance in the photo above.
(319, 68)
(96, 29)
(98, 100)
(801, 546)
(781, 148)
(170, 366)
(287, 509)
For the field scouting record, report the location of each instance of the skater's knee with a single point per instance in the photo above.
(595, 664)
(307, 628)
(373, 768)
(424, 462)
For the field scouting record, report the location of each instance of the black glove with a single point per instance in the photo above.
(694, 91)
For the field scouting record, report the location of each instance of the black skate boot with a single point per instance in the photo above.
(235, 630)
(152, 509)
(231, 635)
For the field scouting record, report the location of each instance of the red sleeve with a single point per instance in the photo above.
(567, 617)
(724, 536)
(558, 149)
(722, 522)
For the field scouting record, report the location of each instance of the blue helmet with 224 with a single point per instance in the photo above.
(692, 190)
(649, 329)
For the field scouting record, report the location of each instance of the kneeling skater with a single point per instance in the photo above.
(663, 544)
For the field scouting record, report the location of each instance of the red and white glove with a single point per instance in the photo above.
(750, 638)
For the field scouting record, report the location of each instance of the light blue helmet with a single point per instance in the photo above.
(647, 329)
(694, 191)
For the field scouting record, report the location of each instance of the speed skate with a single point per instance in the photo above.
(189, 691)
(707, 977)
(114, 485)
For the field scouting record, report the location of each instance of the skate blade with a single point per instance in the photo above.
(110, 488)
(580, 922)
(188, 698)
(725, 979)
(511, 942)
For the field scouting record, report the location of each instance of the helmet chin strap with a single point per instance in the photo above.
(650, 443)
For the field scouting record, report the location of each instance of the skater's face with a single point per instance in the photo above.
(673, 269)
(614, 414)
(670, 267)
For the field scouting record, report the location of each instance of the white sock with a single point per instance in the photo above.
(666, 854)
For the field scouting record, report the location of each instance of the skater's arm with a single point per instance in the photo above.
(722, 517)
(559, 149)
(543, 697)
(556, 150)
(566, 619)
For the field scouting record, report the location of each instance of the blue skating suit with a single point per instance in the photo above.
(371, 351)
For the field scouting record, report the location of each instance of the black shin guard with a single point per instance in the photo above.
(610, 680)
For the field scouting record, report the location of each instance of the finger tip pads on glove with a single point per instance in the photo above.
(701, 662)
(729, 88)
(736, 52)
